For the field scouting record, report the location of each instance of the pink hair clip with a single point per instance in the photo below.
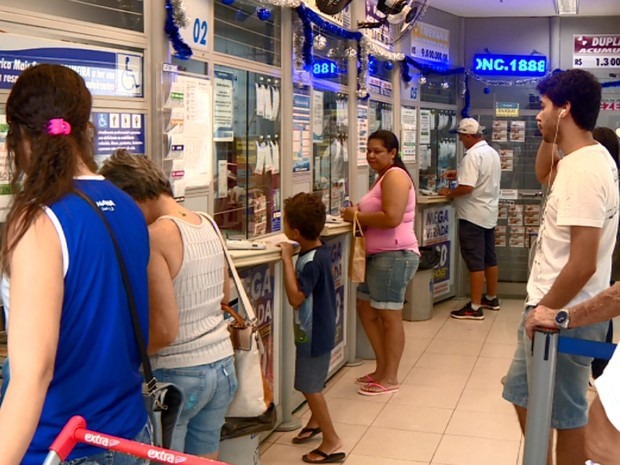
(58, 126)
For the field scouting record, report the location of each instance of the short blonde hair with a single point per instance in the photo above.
(137, 175)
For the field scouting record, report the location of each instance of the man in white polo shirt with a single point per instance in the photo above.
(477, 196)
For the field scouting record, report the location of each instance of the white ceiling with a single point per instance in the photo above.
(514, 8)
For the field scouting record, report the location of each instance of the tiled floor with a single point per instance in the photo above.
(449, 410)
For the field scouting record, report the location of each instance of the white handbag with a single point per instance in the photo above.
(254, 395)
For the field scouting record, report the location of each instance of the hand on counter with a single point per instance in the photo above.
(348, 213)
(287, 248)
(444, 191)
(449, 174)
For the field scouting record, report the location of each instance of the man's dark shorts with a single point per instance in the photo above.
(477, 246)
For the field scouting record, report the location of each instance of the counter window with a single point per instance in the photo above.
(439, 89)
(437, 146)
(246, 137)
(330, 147)
(380, 116)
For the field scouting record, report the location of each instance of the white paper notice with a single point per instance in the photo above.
(425, 127)
(268, 156)
(223, 110)
(197, 133)
(408, 126)
(317, 116)
(260, 159)
(222, 179)
(275, 153)
(362, 134)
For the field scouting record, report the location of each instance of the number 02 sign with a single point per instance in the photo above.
(197, 31)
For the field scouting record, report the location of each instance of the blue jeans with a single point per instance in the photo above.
(570, 406)
(114, 458)
(208, 391)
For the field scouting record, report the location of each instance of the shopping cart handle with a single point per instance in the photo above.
(75, 432)
(66, 441)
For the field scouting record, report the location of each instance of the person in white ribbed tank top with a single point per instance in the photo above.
(189, 341)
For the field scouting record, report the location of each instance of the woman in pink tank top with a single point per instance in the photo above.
(387, 213)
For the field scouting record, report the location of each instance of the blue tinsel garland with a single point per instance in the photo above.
(308, 18)
(611, 84)
(467, 99)
(425, 69)
(172, 31)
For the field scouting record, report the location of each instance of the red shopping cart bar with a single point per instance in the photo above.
(75, 432)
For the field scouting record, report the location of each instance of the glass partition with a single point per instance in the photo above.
(247, 152)
(330, 147)
(380, 116)
(437, 146)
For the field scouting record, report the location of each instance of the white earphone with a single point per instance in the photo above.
(563, 112)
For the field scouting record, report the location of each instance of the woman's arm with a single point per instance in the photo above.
(163, 312)
(394, 196)
(36, 296)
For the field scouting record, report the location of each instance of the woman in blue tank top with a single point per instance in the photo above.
(71, 344)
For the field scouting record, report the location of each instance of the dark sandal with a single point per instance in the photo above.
(302, 439)
(336, 457)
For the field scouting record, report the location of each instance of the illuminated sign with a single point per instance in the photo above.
(323, 68)
(510, 65)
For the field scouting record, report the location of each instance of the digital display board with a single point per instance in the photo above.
(323, 68)
(509, 65)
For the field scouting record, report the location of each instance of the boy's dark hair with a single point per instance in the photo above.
(140, 177)
(608, 139)
(306, 213)
(578, 87)
(390, 141)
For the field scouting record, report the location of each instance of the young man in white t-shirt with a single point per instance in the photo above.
(476, 199)
(572, 261)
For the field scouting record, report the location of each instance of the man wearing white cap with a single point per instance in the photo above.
(476, 197)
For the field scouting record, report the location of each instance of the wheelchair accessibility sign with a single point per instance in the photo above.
(129, 74)
(119, 131)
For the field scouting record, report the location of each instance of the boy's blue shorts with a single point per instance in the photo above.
(311, 372)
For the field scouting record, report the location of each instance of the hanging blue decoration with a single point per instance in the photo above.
(172, 31)
(404, 72)
(388, 65)
(466, 98)
(610, 84)
(487, 90)
(425, 69)
(228, 2)
(263, 14)
(308, 18)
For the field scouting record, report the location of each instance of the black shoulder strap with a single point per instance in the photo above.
(146, 364)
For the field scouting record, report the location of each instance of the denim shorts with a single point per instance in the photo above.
(208, 391)
(387, 276)
(311, 372)
(115, 458)
(570, 406)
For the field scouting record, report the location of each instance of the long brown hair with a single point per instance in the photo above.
(41, 93)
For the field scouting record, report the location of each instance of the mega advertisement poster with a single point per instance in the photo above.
(336, 246)
(258, 282)
(436, 232)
